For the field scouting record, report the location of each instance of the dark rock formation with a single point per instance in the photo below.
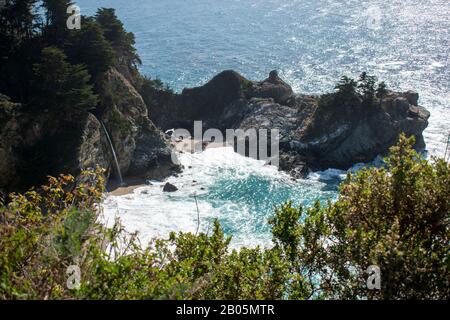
(273, 87)
(168, 187)
(312, 136)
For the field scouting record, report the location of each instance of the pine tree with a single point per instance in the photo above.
(366, 86)
(17, 21)
(89, 46)
(18, 46)
(121, 40)
(62, 85)
(346, 88)
(56, 20)
(381, 91)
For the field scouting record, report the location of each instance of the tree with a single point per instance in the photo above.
(346, 88)
(90, 47)
(62, 85)
(18, 46)
(122, 41)
(381, 91)
(366, 86)
(395, 218)
(17, 20)
(55, 20)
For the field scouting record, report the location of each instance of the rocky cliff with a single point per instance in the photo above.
(314, 135)
(34, 145)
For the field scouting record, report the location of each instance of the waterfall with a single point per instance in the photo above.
(119, 173)
(447, 149)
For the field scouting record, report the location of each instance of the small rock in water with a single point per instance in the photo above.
(168, 187)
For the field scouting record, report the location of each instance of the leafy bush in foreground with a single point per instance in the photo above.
(395, 218)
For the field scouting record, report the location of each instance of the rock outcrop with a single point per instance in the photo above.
(313, 135)
(34, 145)
(142, 149)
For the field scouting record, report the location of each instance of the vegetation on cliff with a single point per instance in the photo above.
(396, 218)
(52, 79)
(39, 53)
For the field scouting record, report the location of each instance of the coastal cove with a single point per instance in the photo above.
(241, 192)
(224, 150)
(311, 54)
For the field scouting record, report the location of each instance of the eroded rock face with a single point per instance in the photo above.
(273, 87)
(142, 149)
(34, 145)
(312, 137)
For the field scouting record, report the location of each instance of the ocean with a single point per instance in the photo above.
(311, 43)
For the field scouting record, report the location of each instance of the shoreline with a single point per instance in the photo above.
(180, 147)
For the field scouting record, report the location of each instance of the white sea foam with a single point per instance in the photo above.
(239, 191)
(312, 43)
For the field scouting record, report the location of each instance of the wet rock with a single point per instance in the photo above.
(168, 187)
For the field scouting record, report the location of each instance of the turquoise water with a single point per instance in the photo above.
(241, 192)
(311, 43)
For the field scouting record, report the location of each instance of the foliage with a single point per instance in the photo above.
(346, 87)
(40, 235)
(17, 21)
(395, 217)
(381, 91)
(119, 122)
(90, 47)
(350, 93)
(366, 86)
(122, 41)
(55, 28)
(45, 231)
(62, 85)
(28, 27)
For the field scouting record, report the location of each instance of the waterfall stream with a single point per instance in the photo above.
(119, 173)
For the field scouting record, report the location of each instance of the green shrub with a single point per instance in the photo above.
(396, 218)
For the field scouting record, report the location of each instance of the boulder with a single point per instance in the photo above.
(168, 187)
(412, 97)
